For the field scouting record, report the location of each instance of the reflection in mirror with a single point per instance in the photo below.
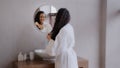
(44, 18)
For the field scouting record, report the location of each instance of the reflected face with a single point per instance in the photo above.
(42, 18)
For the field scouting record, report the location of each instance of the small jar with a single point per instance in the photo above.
(31, 56)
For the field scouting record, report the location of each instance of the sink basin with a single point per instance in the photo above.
(42, 53)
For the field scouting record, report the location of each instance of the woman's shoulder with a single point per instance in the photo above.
(45, 23)
(66, 29)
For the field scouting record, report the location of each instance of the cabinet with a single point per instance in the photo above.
(83, 63)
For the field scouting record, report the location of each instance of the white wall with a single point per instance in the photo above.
(113, 34)
(17, 32)
(87, 31)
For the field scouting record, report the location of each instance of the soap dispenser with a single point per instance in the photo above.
(25, 56)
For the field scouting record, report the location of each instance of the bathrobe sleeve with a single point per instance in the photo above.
(56, 47)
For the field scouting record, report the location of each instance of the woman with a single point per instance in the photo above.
(61, 41)
(39, 22)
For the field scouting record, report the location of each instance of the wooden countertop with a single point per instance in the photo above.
(83, 63)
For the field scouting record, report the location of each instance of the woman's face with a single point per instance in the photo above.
(42, 18)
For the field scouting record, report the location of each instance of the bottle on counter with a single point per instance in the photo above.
(25, 56)
(31, 55)
(20, 57)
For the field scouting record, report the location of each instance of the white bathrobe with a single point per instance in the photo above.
(46, 28)
(62, 48)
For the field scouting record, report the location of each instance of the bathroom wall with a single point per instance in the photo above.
(113, 34)
(18, 33)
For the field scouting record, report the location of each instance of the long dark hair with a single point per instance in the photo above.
(62, 18)
(37, 17)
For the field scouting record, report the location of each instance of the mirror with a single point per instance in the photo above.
(44, 18)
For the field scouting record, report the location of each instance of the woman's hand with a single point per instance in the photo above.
(39, 25)
(48, 37)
